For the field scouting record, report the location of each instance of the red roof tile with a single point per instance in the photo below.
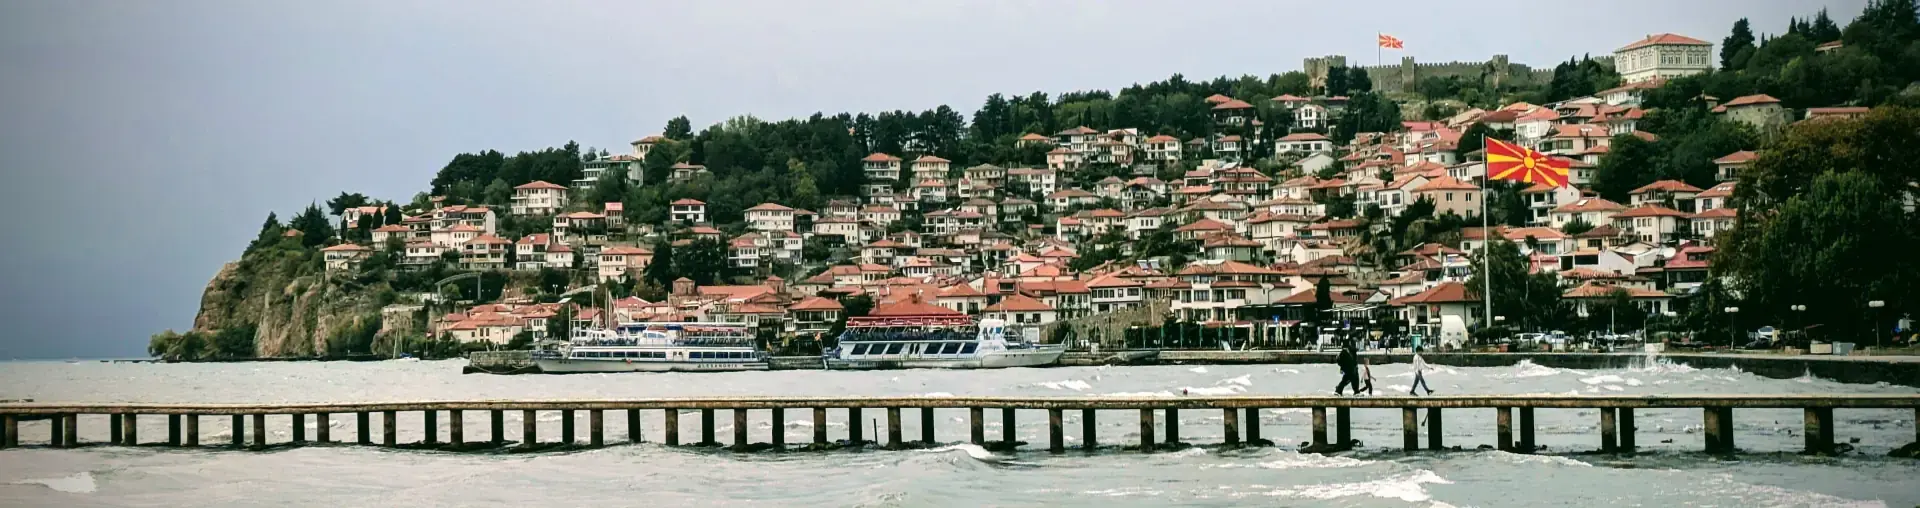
(1665, 39)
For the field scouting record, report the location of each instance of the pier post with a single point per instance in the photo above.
(706, 428)
(130, 430)
(672, 427)
(1146, 430)
(456, 427)
(113, 429)
(1819, 432)
(529, 425)
(299, 427)
(779, 433)
(9, 431)
(1056, 433)
(323, 427)
(893, 427)
(1624, 422)
(193, 430)
(1089, 435)
(364, 425)
(1409, 429)
(633, 427)
(1710, 429)
(1319, 427)
(430, 422)
(1253, 425)
(1526, 429)
(71, 434)
(977, 423)
(926, 425)
(173, 430)
(498, 426)
(740, 428)
(1433, 429)
(1609, 437)
(1007, 433)
(1230, 425)
(595, 420)
(53, 432)
(1343, 429)
(820, 425)
(260, 430)
(239, 431)
(389, 428)
(1503, 421)
(566, 427)
(1173, 427)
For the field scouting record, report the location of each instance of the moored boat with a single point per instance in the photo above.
(654, 347)
(912, 334)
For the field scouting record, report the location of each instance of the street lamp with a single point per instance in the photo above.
(1875, 329)
(1732, 331)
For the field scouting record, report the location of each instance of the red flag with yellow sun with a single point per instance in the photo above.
(1507, 161)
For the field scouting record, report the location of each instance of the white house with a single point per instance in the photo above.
(688, 210)
(621, 261)
(770, 217)
(1302, 143)
(1663, 56)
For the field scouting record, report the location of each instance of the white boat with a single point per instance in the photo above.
(654, 347)
(937, 342)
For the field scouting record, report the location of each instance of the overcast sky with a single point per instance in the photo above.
(144, 142)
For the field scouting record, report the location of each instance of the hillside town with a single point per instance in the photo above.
(1274, 229)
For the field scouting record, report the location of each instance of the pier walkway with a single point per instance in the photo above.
(1239, 416)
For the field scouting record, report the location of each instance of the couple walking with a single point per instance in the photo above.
(1353, 372)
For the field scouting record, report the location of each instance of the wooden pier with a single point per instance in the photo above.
(1239, 418)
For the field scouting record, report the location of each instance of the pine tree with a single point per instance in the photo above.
(269, 232)
(1740, 39)
(679, 129)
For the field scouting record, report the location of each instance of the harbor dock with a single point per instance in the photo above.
(1239, 416)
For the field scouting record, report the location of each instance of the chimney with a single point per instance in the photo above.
(778, 284)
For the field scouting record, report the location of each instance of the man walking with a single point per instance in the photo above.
(1419, 377)
(1349, 361)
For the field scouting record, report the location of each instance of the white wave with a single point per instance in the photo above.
(936, 394)
(1312, 461)
(1750, 494)
(1243, 380)
(1406, 487)
(1613, 388)
(972, 450)
(1198, 370)
(1518, 458)
(1121, 492)
(1634, 382)
(1070, 384)
(1287, 371)
(1190, 452)
(1213, 390)
(79, 483)
(1603, 378)
(1398, 388)
(1139, 394)
(1526, 368)
(809, 424)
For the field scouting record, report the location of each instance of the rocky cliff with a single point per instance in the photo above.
(294, 307)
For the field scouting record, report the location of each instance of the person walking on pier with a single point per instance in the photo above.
(1419, 376)
(1366, 376)
(1349, 369)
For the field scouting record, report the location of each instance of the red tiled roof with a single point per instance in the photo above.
(1445, 183)
(769, 207)
(1749, 100)
(1217, 99)
(1742, 156)
(689, 201)
(1034, 137)
(1651, 211)
(1666, 186)
(879, 157)
(1233, 104)
(1665, 39)
(816, 303)
(1590, 205)
(1718, 213)
(934, 159)
(346, 247)
(538, 184)
(1596, 289)
(1445, 292)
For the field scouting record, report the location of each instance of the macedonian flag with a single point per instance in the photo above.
(1507, 161)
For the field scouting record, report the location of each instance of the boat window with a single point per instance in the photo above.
(968, 347)
(894, 348)
(859, 349)
(950, 348)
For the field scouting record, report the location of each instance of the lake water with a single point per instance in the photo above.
(1671, 472)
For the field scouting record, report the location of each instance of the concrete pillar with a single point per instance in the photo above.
(977, 423)
(71, 435)
(1819, 427)
(1710, 429)
(456, 427)
(854, 425)
(260, 430)
(299, 428)
(779, 435)
(389, 428)
(1343, 429)
(1146, 430)
(1526, 429)
(633, 426)
(1409, 429)
(672, 427)
(819, 425)
(926, 425)
(323, 427)
(1623, 420)
(1503, 418)
(706, 428)
(113, 429)
(1253, 424)
(1173, 426)
(173, 430)
(1319, 426)
(497, 426)
(529, 428)
(131, 428)
(1089, 435)
(1007, 422)
(596, 422)
(894, 438)
(740, 427)
(1609, 438)
(193, 430)
(566, 427)
(1433, 429)
(364, 427)
(9, 431)
(1230, 425)
(239, 433)
(1056, 435)
(430, 424)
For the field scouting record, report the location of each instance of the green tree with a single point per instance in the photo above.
(679, 129)
(235, 342)
(560, 326)
(269, 233)
(338, 206)
(313, 225)
(1531, 301)
(661, 271)
(1731, 48)
(703, 260)
(1629, 164)
(1576, 226)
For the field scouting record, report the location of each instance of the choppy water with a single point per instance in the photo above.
(1673, 473)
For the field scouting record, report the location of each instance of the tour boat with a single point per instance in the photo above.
(654, 347)
(936, 342)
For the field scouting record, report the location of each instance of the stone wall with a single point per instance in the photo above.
(1498, 71)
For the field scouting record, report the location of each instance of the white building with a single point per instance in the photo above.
(539, 198)
(688, 210)
(1663, 56)
(770, 217)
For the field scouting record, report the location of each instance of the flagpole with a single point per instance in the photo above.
(1486, 232)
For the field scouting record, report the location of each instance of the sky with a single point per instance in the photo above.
(144, 142)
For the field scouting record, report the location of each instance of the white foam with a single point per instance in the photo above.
(1070, 384)
(1603, 378)
(1406, 487)
(79, 483)
(1287, 371)
(1214, 390)
(1243, 380)
(972, 450)
(1139, 394)
(1526, 368)
(1198, 370)
(809, 424)
(1518, 458)
(1634, 382)
(936, 394)
(1613, 388)
(1312, 461)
